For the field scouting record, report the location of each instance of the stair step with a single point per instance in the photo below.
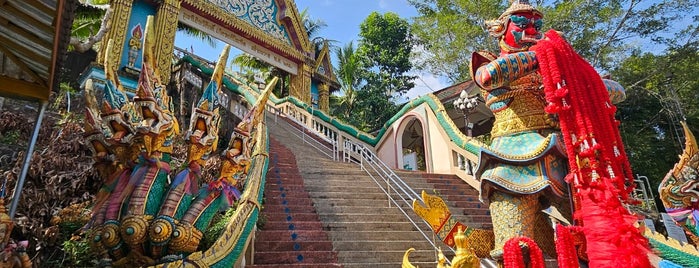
(373, 226)
(362, 217)
(368, 235)
(380, 243)
(384, 256)
(269, 246)
(286, 200)
(290, 208)
(295, 225)
(292, 257)
(291, 217)
(324, 207)
(349, 195)
(294, 235)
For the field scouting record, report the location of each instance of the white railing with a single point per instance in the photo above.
(321, 138)
(398, 192)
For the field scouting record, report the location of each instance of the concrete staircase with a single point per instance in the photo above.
(325, 213)
(459, 196)
(337, 210)
(291, 234)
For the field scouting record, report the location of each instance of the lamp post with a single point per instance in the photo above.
(467, 105)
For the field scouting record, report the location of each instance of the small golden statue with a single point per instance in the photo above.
(465, 256)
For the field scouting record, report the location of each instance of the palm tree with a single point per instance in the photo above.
(347, 69)
(89, 25)
(313, 28)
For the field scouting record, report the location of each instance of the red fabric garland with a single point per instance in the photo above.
(599, 170)
(567, 257)
(512, 253)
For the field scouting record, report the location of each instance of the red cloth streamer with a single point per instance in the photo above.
(512, 253)
(567, 257)
(599, 169)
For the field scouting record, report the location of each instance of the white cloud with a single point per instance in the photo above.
(383, 4)
(424, 84)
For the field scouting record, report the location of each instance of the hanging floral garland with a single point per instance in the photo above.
(599, 169)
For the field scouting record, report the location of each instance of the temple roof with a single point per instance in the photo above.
(34, 36)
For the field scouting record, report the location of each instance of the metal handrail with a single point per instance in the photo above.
(368, 161)
(393, 182)
(330, 152)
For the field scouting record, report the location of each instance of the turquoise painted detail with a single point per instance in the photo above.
(97, 74)
(261, 14)
(443, 119)
(669, 253)
(139, 12)
(210, 95)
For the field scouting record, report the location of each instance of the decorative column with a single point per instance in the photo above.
(301, 84)
(165, 28)
(121, 12)
(324, 97)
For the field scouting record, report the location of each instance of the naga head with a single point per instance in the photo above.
(117, 110)
(518, 28)
(95, 133)
(680, 187)
(154, 121)
(202, 135)
(679, 190)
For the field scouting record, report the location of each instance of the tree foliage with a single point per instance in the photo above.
(347, 72)
(662, 90)
(601, 31)
(384, 49)
(374, 72)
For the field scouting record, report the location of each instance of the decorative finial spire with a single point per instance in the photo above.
(114, 96)
(517, 6)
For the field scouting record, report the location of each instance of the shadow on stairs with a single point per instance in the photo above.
(291, 234)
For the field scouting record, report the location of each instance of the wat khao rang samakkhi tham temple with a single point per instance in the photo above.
(198, 166)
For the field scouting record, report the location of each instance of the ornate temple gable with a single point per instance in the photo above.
(272, 24)
(323, 69)
(289, 16)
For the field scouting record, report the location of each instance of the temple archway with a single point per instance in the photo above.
(413, 145)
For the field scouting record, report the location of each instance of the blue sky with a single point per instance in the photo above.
(343, 18)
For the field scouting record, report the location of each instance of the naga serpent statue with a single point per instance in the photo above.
(146, 213)
(679, 190)
(555, 148)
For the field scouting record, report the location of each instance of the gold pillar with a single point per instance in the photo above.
(324, 97)
(301, 84)
(165, 28)
(519, 215)
(118, 25)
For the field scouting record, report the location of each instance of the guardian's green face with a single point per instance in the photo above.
(523, 30)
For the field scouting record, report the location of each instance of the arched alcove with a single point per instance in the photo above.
(413, 146)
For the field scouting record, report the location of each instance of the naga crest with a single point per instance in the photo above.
(117, 111)
(202, 134)
(679, 190)
(154, 117)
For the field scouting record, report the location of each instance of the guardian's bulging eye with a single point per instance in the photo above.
(520, 21)
(538, 23)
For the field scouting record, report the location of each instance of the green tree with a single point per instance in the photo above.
(385, 47)
(313, 28)
(662, 90)
(347, 71)
(377, 70)
(602, 31)
(448, 31)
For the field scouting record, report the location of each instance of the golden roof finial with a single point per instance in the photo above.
(517, 6)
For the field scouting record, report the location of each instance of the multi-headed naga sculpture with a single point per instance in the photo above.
(147, 212)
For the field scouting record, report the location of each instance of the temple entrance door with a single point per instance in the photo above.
(413, 146)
